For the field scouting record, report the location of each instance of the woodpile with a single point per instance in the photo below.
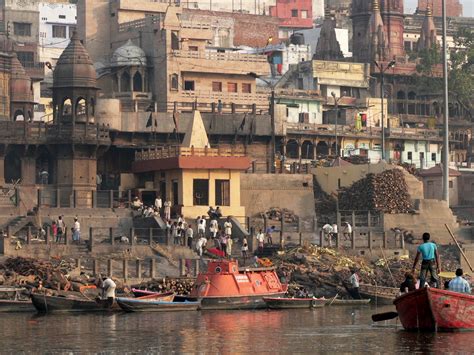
(276, 214)
(36, 273)
(180, 286)
(385, 192)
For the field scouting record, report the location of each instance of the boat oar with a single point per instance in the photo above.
(334, 298)
(459, 247)
(379, 317)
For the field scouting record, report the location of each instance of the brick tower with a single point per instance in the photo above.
(392, 16)
(453, 7)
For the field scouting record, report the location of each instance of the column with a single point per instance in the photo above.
(28, 171)
(2, 170)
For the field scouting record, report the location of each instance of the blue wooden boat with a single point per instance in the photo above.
(129, 304)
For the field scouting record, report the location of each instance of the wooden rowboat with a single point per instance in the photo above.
(284, 303)
(44, 303)
(341, 302)
(432, 309)
(142, 304)
(142, 293)
(379, 295)
(12, 300)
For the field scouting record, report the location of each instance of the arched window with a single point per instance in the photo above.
(292, 149)
(322, 149)
(307, 151)
(66, 107)
(412, 105)
(81, 107)
(12, 171)
(401, 104)
(18, 116)
(137, 82)
(125, 82)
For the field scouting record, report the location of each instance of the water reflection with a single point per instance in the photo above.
(331, 329)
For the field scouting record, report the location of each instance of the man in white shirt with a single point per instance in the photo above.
(347, 232)
(213, 227)
(108, 288)
(201, 243)
(76, 235)
(189, 236)
(354, 280)
(327, 232)
(260, 241)
(158, 204)
(202, 226)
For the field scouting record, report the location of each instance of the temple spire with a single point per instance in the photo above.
(328, 47)
(378, 42)
(428, 36)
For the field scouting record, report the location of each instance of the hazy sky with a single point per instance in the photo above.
(410, 6)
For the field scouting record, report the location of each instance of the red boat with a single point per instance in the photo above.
(432, 309)
(225, 286)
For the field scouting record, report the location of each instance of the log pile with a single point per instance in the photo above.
(33, 273)
(181, 286)
(276, 214)
(385, 192)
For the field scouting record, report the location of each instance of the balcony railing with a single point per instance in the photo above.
(216, 56)
(177, 151)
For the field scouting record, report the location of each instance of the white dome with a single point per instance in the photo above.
(128, 55)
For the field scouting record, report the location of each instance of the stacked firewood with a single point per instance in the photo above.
(181, 286)
(276, 214)
(33, 273)
(386, 192)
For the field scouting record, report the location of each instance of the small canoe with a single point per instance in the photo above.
(142, 293)
(284, 303)
(379, 295)
(44, 303)
(341, 302)
(432, 309)
(147, 305)
(164, 297)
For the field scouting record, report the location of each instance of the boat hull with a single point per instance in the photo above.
(430, 309)
(46, 304)
(379, 295)
(292, 303)
(136, 305)
(337, 302)
(16, 306)
(236, 302)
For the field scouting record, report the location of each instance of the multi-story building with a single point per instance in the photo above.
(453, 7)
(293, 15)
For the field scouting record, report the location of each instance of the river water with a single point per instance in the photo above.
(327, 330)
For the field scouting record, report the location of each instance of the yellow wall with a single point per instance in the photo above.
(185, 190)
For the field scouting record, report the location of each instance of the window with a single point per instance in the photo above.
(201, 192)
(222, 192)
(231, 87)
(451, 184)
(408, 46)
(72, 29)
(246, 88)
(193, 48)
(422, 156)
(189, 85)
(59, 31)
(216, 86)
(22, 29)
(294, 13)
(304, 13)
(26, 58)
(409, 156)
(174, 81)
(174, 40)
(433, 156)
(62, 16)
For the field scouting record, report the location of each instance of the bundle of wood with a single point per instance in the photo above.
(276, 214)
(386, 192)
(31, 272)
(181, 286)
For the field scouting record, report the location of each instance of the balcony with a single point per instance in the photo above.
(35, 70)
(169, 151)
(225, 63)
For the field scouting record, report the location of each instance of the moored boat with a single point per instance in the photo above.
(431, 309)
(12, 300)
(225, 286)
(379, 295)
(46, 303)
(143, 293)
(284, 302)
(142, 304)
(341, 302)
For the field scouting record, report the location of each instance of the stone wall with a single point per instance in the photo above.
(259, 192)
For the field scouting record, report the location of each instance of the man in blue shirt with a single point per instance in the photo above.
(429, 253)
(459, 284)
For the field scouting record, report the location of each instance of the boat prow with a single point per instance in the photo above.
(432, 309)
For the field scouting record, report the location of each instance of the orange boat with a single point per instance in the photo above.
(225, 286)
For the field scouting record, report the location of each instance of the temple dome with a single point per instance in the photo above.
(128, 55)
(21, 89)
(74, 67)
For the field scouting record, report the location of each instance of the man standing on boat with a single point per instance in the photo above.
(429, 252)
(108, 288)
(459, 284)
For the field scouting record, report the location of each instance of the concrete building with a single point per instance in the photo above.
(433, 184)
(293, 15)
(453, 7)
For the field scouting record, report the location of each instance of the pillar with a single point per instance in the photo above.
(110, 270)
(152, 268)
(125, 269)
(2, 170)
(28, 171)
(138, 268)
(95, 267)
